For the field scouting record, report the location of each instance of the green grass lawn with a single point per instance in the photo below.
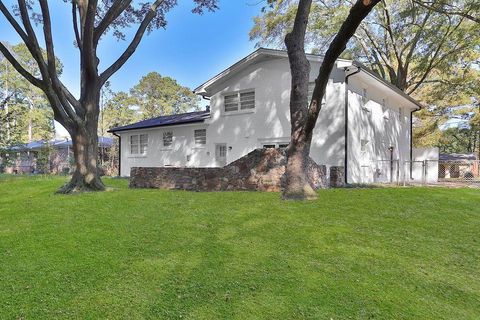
(406, 253)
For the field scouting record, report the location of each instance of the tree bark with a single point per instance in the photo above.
(86, 175)
(303, 116)
(296, 180)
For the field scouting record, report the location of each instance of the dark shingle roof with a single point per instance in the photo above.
(457, 156)
(103, 142)
(182, 118)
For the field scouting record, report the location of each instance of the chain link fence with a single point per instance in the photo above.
(422, 172)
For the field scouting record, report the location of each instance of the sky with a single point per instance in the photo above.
(191, 49)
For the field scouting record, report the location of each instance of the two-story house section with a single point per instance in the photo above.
(363, 120)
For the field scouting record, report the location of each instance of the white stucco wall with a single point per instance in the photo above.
(382, 121)
(269, 123)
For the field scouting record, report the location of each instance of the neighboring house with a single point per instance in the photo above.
(364, 120)
(55, 156)
(458, 166)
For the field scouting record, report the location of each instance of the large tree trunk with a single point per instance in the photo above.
(86, 176)
(297, 186)
(296, 181)
(303, 116)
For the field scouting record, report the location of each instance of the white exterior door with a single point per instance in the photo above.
(221, 154)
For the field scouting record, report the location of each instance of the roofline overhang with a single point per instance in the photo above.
(158, 126)
(202, 90)
(391, 86)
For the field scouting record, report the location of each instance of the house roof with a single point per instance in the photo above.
(103, 142)
(182, 118)
(457, 156)
(264, 53)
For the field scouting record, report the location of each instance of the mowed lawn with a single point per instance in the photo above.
(404, 253)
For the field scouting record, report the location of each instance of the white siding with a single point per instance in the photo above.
(269, 123)
(383, 120)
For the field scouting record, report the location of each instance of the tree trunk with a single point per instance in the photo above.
(297, 186)
(86, 176)
(296, 182)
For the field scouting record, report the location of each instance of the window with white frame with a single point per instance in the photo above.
(200, 136)
(138, 144)
(243, 100)
(167, 138)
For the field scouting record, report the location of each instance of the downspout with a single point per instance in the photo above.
(346, 120)
(119, 153)
(411, 142)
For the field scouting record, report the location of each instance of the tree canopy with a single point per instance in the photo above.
(91, 20)
(25, 114)
(402, 41)
(158, 96)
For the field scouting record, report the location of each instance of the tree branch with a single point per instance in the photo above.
(75, 26)
(463, 14)
(356, 15)
(113, 13)
(133, 44)
(65, 97)
(36, 82)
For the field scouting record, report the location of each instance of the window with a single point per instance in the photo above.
(200, 136)
(269, 146)
(167, 138)
(138, 144)
(239, 101)
(222, 151)
(275, 145)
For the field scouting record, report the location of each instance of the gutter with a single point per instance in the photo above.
(346, 120)
(119, 153)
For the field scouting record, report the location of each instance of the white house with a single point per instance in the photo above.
(365, 121)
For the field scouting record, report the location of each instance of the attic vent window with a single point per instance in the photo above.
(244, 100)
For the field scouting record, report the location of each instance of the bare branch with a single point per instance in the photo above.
(27, 75)
(113, 13)
(65, 97)
(133, 44)
(464, 14)
(75, 26)
(356, 15)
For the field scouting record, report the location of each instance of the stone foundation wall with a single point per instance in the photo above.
(260, 170)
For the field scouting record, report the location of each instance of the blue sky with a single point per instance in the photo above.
(191, 49)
